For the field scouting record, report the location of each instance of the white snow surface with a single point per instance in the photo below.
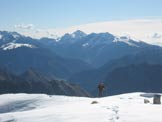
(44, 108)
(73, 35)
(85, 44)
(16, 35)
(125, 40)
(13, 45)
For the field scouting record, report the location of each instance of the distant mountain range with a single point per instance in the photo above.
(85, 59)
(19, 53)
(97, 49)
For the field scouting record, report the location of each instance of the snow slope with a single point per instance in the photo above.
(124, 39)
(44, 108)
(10, 46)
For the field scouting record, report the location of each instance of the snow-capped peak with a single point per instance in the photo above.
(11, 45)
(124, 39)
(15, 35)
(6, 36)
(78, 34)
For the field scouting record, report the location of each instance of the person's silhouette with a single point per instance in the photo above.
(100, 89)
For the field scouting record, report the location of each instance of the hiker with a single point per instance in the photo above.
(100, 89)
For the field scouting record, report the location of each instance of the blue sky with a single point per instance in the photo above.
(66, 13)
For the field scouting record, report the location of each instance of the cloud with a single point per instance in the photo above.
(24, 26)
(138, 29)
(148, 30)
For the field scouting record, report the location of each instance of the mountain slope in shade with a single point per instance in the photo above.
(90, 78)
(134, 78)
(35, 76)
(34, 82)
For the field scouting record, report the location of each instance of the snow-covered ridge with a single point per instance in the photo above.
(44, 108)
(124, 39)
(12, 45)
(78, 34)
(16, 35)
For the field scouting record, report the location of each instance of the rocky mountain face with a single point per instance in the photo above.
(34, 82)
